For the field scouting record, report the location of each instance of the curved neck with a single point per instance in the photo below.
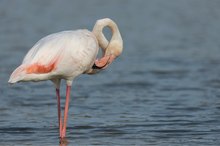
(116, 36)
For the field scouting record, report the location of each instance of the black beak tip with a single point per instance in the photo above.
(96, 67)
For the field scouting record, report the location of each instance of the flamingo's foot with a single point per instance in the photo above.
(63, 140)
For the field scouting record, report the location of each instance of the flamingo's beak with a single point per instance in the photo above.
(103, 62)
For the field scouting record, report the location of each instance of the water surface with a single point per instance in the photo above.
(163, 90)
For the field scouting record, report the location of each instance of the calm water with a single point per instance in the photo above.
(164, 89)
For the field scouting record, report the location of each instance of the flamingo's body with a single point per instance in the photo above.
(62, 55)
(67, 54)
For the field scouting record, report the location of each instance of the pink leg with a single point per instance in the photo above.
(59, 111)
(63, 134)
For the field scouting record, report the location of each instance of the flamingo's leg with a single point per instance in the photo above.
(59, 110)
(63, 134)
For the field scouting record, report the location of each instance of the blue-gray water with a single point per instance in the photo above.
(164, 89)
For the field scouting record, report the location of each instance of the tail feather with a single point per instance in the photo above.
(17, 75)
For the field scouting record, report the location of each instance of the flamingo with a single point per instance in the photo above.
(66, 55)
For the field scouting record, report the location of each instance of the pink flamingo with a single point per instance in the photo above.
(66, 55)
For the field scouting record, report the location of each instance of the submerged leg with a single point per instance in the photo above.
(63, 134)
(59, 110)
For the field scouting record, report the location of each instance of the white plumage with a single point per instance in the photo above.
(76, 48)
